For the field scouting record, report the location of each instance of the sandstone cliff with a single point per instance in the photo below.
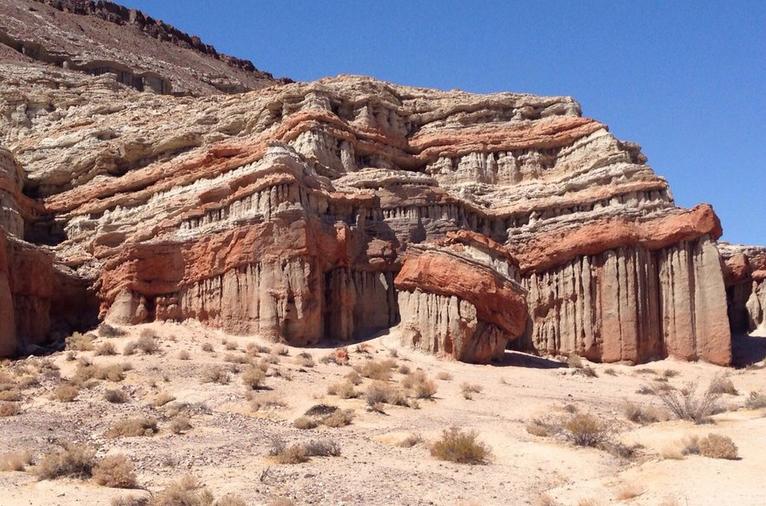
(331, 210)
(745, 276)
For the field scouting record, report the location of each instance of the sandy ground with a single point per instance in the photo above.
(227, 448)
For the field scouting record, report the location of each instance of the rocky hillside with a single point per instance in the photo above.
(100, 37)
(336, 209)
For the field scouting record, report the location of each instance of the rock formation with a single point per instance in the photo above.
(338, 208)
(745, 276)
(460, 297)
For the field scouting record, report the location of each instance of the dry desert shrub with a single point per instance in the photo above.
(230, 345)
(305, 423)
(585, 429)
(10, 395)
(685, 404)
(133, 427)
(640, 413)
(320, 410)
(716, 446)
(253, 378)
(610, 371)
(207, 347)
(281, 501)
(304, 359)
(130, 500)
(628, 491)
(115, 471)
(116, 396)
(79, 342)
(147, 343)
(267, 402)
(322, 448)
(538, 427)
(343, 389)
(106, 330)
(15, 461)
(756, 400)
(421, 385)
(722, 384)
(645, 390)
(574, 362)
(404, 369)
(354, 377)
(180, 425)
(236, 358)
(280, 349)
(410, 441)
(183, 355)
(461, 447)
(379, 393)
(283, 454)
(376, 370)
(130, 348)
(216, 374)
(230, 500)
(187, 491)
(339, 418)
(71, 461)
(104, 349)
(468, 390)
(670, 373)
(162, 399)
(65, 393)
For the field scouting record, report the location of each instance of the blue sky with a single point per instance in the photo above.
(686, 80)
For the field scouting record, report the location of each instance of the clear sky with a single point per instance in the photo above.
(686, 80)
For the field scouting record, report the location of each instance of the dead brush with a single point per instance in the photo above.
(253, 378)
(186, 491)
(376, 370)
(116, 396)
(16, 461)
(641, 414)
(106, 330)
(105, 349)
(180, 425)
(70, 461)
(410, 441)
(115, 471)
(715, 446)
(685, 404)
(133, 427)
(340, 418)
(80, 342)
(147, 343)
(468, 390)
(322, 448)
(585, 429)
(722, 384)
(756, 400)
(65, 393)
(343, 389)
(379, 393)
(216, 374)
(420, 385)
(162, 399)
(304, 359)
(10, 395)
(263, 402)
(9, 408)
(461, 447)
(305, 423)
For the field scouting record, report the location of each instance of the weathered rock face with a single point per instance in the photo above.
(745, 277)
(100, 37)
(461, 298)
(290, 211)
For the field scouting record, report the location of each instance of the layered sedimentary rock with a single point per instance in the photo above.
(745, 277)
(290, 211)
(460, 297)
